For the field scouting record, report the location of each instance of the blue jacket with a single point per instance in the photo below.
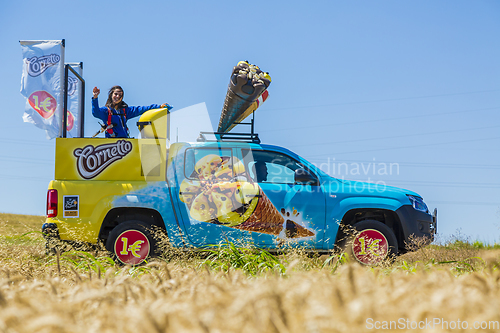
(118, 119)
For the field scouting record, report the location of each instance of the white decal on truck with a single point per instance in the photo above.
(91, 160)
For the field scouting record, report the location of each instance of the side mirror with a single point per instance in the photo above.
(303, 177)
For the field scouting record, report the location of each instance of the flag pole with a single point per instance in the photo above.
(62, 131)
(65, 101)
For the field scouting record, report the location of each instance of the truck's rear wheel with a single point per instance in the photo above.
(372, 242)
(132, 242)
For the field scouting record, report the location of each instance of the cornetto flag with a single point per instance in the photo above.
(246, 91)
(74, 100)
(43, 73)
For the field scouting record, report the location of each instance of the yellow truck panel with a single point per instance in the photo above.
(110, 159)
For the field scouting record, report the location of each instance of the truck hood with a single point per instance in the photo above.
(367, 188)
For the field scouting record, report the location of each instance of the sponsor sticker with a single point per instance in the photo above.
(370, 247)
(71, 206)
(132, 247)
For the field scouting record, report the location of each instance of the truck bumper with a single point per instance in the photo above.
(417, 224)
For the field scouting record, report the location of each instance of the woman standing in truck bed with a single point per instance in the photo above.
(116, 112)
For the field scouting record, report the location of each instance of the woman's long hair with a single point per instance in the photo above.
(109, 102)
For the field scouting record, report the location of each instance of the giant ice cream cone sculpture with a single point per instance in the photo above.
(246, 91)
(220, 192)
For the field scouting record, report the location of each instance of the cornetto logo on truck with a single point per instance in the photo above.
(91, 160)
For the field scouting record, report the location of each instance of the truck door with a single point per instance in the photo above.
(288, 212)
(210, 201)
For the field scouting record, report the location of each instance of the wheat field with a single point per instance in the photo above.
(452, 287)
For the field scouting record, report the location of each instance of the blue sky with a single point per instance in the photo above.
(357, 85)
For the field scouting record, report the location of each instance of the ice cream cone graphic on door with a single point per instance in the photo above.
(219, 192)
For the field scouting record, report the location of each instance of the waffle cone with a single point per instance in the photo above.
(265, 218)
(295, 230)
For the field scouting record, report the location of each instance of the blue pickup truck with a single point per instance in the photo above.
(199, 194)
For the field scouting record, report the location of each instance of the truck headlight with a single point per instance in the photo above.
(418, 203)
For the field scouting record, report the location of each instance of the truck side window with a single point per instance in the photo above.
(189, 163)
(208, 163)
(270, 167)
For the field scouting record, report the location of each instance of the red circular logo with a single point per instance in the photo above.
(43, 103)
(370, 247)
(70, 121)
(132, 247)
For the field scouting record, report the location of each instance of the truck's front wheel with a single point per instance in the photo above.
(372, 242)
(132, 242)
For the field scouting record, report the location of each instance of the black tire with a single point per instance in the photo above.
(372, 226)
(154, 237)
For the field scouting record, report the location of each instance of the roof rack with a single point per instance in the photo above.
(251, 137)
(227, 137)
